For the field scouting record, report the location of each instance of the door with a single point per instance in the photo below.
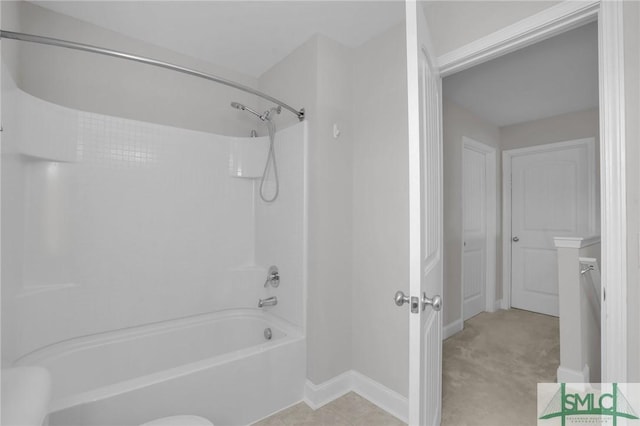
(474, 221)
(552, 195)
(425, 220)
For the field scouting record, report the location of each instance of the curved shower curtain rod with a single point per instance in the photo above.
(108, 52)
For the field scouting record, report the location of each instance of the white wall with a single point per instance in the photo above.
(116, 87)
(12, 225)
(125, 222)
(457, 123)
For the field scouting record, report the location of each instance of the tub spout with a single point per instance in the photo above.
(271, 301)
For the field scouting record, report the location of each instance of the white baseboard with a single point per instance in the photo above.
(315, 396)
(390, 401)
(318, 395)
(452, 328)
(567, 375)
(504, 304)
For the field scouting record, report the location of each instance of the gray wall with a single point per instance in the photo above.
(574, 125)
(380, 210)
(456, 23)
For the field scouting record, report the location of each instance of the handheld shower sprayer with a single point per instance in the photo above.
(271, 157)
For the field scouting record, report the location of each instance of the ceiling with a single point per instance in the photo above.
(246, 36)
(553, 77)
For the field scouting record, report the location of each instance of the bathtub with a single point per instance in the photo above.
(219, 366)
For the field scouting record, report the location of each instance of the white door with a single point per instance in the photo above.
(552, 195)
(474, 221)
(425, 218)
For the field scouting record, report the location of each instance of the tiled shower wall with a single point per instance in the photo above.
(116, 223)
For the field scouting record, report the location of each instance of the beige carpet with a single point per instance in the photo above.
(491, 368)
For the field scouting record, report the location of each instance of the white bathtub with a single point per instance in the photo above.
(218, 366)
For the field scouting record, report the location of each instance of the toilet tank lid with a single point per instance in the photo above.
(26, 393)
(179, 421)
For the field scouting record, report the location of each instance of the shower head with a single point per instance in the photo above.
(241, 107)
(264, 117)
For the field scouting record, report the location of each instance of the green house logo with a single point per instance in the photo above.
(589, 405)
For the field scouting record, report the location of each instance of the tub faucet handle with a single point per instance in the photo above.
(273, 277)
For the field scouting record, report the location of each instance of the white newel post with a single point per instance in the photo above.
(574, 358)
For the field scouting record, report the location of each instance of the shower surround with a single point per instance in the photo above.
(115, 223)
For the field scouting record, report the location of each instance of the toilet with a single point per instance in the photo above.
(26, 392)
(179, 421)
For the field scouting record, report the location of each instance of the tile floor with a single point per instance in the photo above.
(349, 410)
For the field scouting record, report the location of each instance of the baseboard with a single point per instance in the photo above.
(452, 328)
(315, 396)
(498, 305)
(567, 375)
(390, 401)
(318, 395)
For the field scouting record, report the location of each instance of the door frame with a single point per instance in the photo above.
(507, 158)
(491, 223)
(547, 23)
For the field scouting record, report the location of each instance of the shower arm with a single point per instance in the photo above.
(123, 55)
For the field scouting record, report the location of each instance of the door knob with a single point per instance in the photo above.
(515, 239)
(400, 298)
(436, 302)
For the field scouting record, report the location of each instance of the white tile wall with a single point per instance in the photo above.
(127, 222)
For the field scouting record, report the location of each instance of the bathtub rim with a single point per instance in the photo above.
(58, 349)
(291, 334)
(140, 382)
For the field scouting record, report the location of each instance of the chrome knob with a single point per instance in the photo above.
(273, 277)
(515, 239)
(436, 302)
(400, 298)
